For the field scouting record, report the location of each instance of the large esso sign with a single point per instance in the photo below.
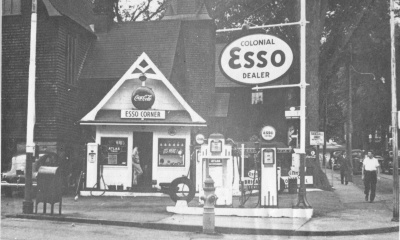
(256, 59)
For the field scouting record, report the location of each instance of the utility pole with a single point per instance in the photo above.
(27, 205)
(394, 118)
(350, 118)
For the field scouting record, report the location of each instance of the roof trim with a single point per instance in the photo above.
(157, 75)
(51, 9)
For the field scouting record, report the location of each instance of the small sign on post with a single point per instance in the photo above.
(316, 138)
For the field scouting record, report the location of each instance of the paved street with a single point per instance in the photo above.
(18, 229)
(341, 211)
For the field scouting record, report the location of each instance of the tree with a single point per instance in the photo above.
(131, 11)
(362, 30)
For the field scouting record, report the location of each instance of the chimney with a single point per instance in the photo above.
(104, 14)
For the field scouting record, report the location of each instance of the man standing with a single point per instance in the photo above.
(344, 169)
(370, 174)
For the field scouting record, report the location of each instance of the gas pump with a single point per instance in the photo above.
(92, 165)
(217, 161)
(269, 184)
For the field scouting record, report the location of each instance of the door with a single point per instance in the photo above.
(144, 142)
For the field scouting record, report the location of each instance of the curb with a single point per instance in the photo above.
(191, 228)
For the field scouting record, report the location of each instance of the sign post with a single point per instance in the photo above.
(317, 139)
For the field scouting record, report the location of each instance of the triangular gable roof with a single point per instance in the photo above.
(143, 65)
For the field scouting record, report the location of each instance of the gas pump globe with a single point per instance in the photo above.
(216, 161)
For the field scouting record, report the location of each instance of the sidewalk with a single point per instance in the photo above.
(341, 212)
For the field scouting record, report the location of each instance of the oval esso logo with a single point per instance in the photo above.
(256, 59)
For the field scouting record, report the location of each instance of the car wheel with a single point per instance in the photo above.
(182, 189)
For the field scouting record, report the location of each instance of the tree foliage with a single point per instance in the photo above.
(357, 45)
(131, 11)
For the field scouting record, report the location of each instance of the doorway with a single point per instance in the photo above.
(144, 142)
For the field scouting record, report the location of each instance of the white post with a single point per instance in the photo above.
(31, 118)
(242, 162)
(302, 200)
(303, 83)
(27, 205)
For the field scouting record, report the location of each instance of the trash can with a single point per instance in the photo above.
(292, 185)
(49, 187)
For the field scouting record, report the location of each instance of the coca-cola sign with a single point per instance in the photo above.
(143, 98)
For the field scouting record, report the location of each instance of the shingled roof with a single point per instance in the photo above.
(186, 9)
(79, 11)
(114, 52)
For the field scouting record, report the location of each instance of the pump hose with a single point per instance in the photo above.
(252, 188)
(95, 185)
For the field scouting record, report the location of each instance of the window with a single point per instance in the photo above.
(171, 152)
(113, 151)
(11, 7)
(70, 61)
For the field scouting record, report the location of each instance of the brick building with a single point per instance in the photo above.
(64, 38)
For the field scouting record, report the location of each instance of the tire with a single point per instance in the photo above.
(182, 189)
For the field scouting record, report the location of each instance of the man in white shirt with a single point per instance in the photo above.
(370, 174)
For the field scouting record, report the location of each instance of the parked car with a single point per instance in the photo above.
(357, 156)
(334, 160)
(389, 161)
(14, 178)
(380, 156)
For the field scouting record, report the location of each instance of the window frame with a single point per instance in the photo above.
(13, 9)
(180, 148)
(71, 42)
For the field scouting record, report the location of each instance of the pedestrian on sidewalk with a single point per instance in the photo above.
(344, 168)
(370, 175)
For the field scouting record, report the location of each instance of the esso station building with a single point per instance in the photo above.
(142, 115)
